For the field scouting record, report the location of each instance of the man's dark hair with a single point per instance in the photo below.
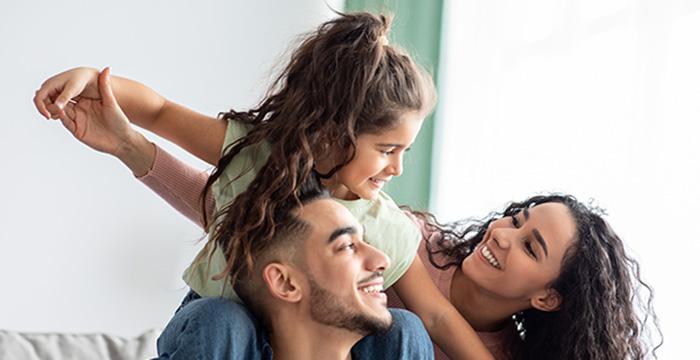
(289, 235)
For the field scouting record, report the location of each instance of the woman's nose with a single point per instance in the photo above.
(503, 237)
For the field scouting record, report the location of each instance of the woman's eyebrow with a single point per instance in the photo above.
(540, 240)
(526, 213)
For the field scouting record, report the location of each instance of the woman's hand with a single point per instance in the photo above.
(99, 122)
(60, 89)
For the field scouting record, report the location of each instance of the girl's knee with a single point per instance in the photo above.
(219, 313)
(403, 316)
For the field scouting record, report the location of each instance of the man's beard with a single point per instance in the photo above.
(329, 309)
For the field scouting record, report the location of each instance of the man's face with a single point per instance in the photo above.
(345, 282)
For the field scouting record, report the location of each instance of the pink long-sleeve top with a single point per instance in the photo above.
(180, 185)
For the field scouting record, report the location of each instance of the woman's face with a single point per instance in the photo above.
(520, 256)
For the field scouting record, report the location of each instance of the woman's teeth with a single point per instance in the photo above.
(373, 289)
(489, 256)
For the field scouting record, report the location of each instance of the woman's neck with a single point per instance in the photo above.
(484, 311)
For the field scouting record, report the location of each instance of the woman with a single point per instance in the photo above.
(546, 279)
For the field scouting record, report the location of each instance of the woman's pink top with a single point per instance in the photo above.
(496, 341)
(179, 184)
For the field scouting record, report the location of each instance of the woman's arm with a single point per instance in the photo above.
(103, 126)
(444, 323)
(180, 185)
(201, 135)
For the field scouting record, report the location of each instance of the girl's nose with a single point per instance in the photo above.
(395, 168)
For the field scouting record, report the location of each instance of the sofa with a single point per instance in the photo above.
(16, 345)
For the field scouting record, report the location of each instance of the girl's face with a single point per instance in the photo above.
(378, 158)
(520, 256)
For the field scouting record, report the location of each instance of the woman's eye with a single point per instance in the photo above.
(349, 246)
(515, 221)
(530, 249)
(387, 152)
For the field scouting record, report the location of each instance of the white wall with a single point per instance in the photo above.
(83, 246)
(594, 98)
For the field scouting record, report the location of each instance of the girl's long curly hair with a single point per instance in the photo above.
(598, 282)
(343, 80)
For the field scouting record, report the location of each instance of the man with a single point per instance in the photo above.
(317, 289)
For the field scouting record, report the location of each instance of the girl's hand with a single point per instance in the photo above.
(60, 89)
(102, 125)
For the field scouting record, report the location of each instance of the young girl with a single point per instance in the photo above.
(348, 106)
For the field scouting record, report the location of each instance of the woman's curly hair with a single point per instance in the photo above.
(343, 80)
(598, 282)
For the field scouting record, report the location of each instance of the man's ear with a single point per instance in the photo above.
(546, 300)
(282, 282)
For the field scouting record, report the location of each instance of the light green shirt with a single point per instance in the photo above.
(386, 226)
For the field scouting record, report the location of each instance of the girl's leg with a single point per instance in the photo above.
(212, 329)
(406, 339)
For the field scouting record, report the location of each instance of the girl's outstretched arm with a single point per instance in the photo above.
(444, 323)
(199, 134)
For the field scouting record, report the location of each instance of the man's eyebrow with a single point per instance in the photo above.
(540, 240)
(348, 230)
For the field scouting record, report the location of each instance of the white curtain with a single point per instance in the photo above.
(600, 99)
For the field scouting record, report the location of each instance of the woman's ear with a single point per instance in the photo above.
(547, 300)
(282, 282)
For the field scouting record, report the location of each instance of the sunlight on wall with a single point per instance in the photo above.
(594, 98)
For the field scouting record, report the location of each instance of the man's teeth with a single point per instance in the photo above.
(492, 259)
(373, 289)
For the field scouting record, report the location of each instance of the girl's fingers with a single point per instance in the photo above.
(54, 111)
(105, 85)
(54, 92)
(40, 103)
(71, 90)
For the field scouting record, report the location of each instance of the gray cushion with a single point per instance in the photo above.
(48, 346)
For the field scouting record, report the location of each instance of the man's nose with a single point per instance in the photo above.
(376, 260)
